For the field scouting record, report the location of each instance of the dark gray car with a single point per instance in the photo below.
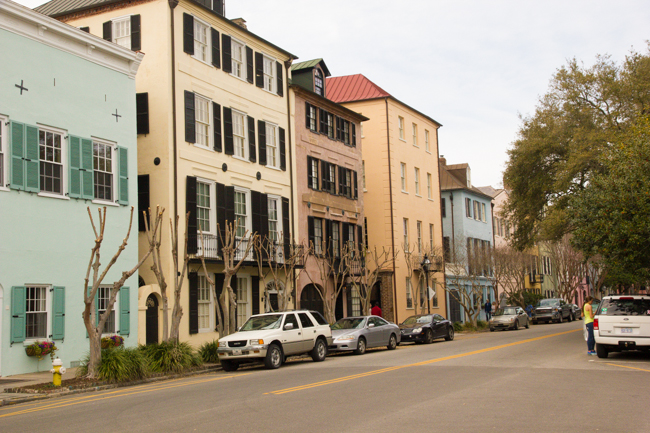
(552, 310)
(363, 332)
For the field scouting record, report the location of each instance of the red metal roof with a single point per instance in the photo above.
(352, 88)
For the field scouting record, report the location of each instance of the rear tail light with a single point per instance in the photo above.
(596, 324)
(627, 298)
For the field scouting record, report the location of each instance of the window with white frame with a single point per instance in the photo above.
(206, 305)
(243, 303)
(238, 58)
(427, 146)
(429, 185)
(314, 170)
(346, 132)
(483, 217)
(201, 44)
(312, 117)
(468, 207)
(51, 160)
(406, 233)
(121, 31)
(205, 206)
(409, 294)
(403, 175)
(417, 181)
(103, 299)
(36, 310)
(419, 228)
(336, 239)
(400, 125)
(477, 211)
(415, 134)
(363, 174)
(202, 108)
(318, 236)
(356, 302)
(351, 244)
(431, 237)
(103, 167)
(269, 74)
(274, 218)
(330, 125)
(272, 157)
(241, 212)
(318, 82)
(3, 146)
(239, 133)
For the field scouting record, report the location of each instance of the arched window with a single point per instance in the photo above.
(318, 82)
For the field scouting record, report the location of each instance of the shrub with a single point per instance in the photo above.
(469, 326)
(458, 326)
(168, 357)
(208, 351)
(118, 365)
(481, 324)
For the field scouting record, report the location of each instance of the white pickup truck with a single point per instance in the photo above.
(272, 337)
(622, 323)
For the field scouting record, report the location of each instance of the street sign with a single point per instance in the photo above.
(432, 293)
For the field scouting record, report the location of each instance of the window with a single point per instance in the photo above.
(336, 239)
(330, 125)
(272, 157)
(443, 207)
(239, 133)
(205, 206)
(3, 146)
(201, 33)
(417, 181)
(351, 244)
(415, 134)
(329, 177)
(400, 125)
(477, 211)
(356, 302)
(409, 295)
(318, 82)
(205, 305)
(483, 217)
(427, 146)
(202, 120)
(273, 216)
(241, 212)
(51, 160)
(468, 207)
(429, 185)
(36, 312)
(346, 131)
(446, 249)
(406, 233)
(122, 31)
(269, 74)
(363, 173)
(243, 304)
(103, 298)
(238, 59)
(103, 166)
(403, 175)
(318, 236)
(312, 173)
(431, 237)
(311, 116)
(419, 228)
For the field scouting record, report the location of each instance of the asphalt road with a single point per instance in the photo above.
(532, 380)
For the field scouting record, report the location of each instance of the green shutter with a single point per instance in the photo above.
(125, 311)
(17, 153)
(58, 313)
(87, 176)
(32, 160)
(123, 197)
(18, 306)
(74, 188)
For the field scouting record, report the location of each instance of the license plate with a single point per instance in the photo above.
(626, 330)
(236, 352)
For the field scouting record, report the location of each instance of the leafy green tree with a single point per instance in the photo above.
(557, 149)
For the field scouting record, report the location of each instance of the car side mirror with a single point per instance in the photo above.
(288, 326)
(372, 325)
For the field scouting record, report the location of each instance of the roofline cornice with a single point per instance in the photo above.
(396, 100)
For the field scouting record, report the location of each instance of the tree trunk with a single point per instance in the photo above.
(165, 305)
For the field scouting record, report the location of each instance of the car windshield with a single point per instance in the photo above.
(548, 303)
(269, 321)
(349, 323)
(414, 320)
(505, 312)
(625, 307)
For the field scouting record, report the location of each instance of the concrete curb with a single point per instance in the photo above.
(64, 392)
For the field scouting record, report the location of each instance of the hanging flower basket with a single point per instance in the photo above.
(40, 349)
(112, 341)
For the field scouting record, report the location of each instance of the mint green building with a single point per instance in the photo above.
(67, 143)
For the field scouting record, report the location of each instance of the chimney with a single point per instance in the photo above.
(240, 22)
(442, 160)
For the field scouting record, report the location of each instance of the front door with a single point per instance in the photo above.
(152, 320)
(454, 309)
(310, 299)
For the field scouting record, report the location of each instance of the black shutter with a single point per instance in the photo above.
(188, 33)
(325, 173)
(143, 199)
(259, 70)
(286, 230)
(142, 113)
(310, 172)
(136, 44)
(344, 234)
(250, 70)
(217, 6)
(329, 238)
(226, 49)
(107, 28)
(193, 278)
(216, 124)
(353, 142)
(85, 29)
(280, 79)
(323, 124)
(228, 144)
(261, 141)
(333, 181)
(348, 294)
(230, 205)
(307, 123)
(354, 177)
(338, 127)
(310, 232)
(221, 214)
(255, 281)
(190, 128)
(251, 140)
(216, 51)
(218, 288)
(190, 207)
(341, 180)
(360, 239)
(264, 216)
(255, 211)
(283, 152)
(233, 286)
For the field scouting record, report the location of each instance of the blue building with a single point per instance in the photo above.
(467, 239)
(67, 142)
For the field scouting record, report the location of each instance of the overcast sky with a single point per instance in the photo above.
(473, 66)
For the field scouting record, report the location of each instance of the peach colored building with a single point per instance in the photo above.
(401, 191)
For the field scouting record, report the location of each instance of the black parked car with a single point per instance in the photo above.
(424, 328)
(552, 310)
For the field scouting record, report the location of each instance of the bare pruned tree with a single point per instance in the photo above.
(373, 262)
(568, 267)
(95, 326)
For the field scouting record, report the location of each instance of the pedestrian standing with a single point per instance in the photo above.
(375, 310)
(588, 313)
(488, 310)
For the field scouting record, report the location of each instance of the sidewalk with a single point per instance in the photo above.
(19, 380)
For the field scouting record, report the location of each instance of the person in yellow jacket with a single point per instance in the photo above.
(588, 314)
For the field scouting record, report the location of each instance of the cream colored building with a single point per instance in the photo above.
(401, 189)
(213, 140)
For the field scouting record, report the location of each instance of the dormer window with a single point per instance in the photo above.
(318, 82)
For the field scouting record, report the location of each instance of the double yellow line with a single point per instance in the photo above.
(417, 364)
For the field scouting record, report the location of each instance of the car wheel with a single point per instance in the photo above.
(319, 352)
(450, 333)
(527, 324)
(516, 327)
(229, 365)
(534, 322)
(561, 319)
(491, 329)
(392, 342)
(571, 318)
(274, 357)
(361, 347)
(428, 337)
(601, 351)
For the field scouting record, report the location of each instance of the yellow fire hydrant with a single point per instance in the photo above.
(57, 370)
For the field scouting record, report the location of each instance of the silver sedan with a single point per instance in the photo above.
(509, 318)
(363, 332)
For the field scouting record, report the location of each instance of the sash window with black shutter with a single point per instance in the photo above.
(142, 113)
(312, 173)
(193, 292)
(143, 200)
(286, 228)
(310, 117)
(283, 153)
(279, 79)
(124, 31)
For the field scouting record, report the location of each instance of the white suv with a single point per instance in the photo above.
(622, 323)
(272, 337)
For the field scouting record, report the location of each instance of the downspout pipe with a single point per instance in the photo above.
(392, 222)
(172, 6)
(287, 65)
